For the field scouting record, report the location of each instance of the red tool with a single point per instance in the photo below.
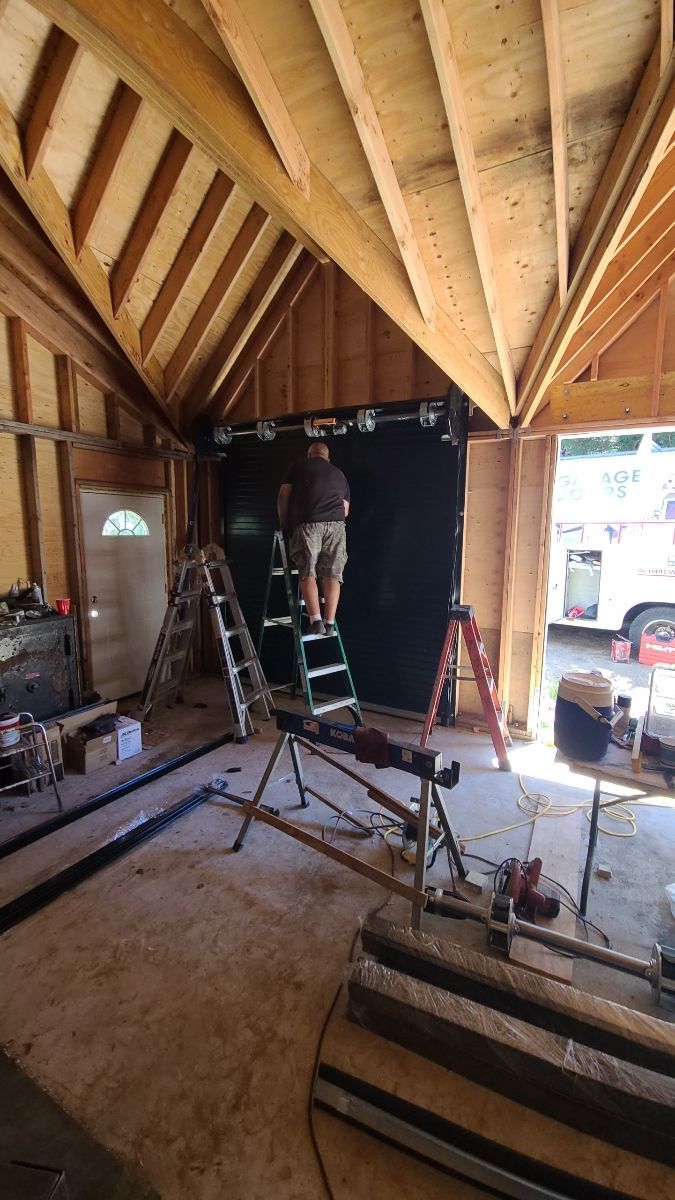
(520, 881)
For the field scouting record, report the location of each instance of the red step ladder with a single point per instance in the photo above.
(461, 616)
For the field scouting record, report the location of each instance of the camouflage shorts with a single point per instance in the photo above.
(319, 548)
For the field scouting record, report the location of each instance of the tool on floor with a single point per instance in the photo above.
(462, 617)
(520, 882)
(503, 926)
(302, 730)
(206, 573)
(280, 568)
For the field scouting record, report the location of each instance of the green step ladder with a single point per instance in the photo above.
(304, 643)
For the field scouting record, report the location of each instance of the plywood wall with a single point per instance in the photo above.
(14, 552)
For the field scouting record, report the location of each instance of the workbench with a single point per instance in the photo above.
(615, 767)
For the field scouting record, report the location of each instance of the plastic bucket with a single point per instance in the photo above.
(9, 729)
(577, 731)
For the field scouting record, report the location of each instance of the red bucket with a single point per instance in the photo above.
(620, 650)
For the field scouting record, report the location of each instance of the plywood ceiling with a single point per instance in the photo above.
(478, 168)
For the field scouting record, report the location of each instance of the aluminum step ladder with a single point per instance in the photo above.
(204, 573)
(304, 643)
(462, 617)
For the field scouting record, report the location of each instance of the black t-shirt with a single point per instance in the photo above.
(319, 490)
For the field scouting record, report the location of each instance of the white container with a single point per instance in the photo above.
(129, 740)
(10, 733)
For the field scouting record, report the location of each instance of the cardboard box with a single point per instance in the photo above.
(89, 754)
(75, 720)
(129, 739)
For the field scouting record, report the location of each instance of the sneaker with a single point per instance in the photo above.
(316, 628)
(329, 628)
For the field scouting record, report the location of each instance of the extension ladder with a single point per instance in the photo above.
(462, 617)
(237, 655)
(280, 567)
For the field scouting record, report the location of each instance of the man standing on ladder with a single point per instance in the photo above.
(313, 505)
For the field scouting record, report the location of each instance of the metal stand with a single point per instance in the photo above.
(31, 758)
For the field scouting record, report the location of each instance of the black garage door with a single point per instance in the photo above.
(404, 544)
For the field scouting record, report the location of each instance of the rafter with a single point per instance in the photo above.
(574, 309)
(666, 33)
(336, 35)
(556, 89)
(165, 62)
(118, 126)
(50, 99)
(238, 39)
(47, 207)
(611, 196)
(216, 294)
(198, 238)
(243, 325)
(155, 203)
(447, 70)
(659, 347)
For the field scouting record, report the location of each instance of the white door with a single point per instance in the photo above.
(125, 562)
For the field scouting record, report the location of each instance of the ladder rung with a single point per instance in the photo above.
(286, 622)
(332, 669)
(343, 702)
(254, 696)
(170, 685)
(220, 599)
(280, 571)
(170, 658)
(234, 630)
(182, 626)
(241, 666)
(315, 637)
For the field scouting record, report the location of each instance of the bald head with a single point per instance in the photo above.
(318, 450)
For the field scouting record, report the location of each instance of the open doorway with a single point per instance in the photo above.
(611, 589)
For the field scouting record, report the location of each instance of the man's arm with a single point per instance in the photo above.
(282, 503)
(346, 504)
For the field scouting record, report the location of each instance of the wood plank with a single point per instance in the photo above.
(112, 417)
(246, 55)
(447, 70)
(550, 14)
(117, 129)
(343, 53)
(31, 491)
(20, 370)
(245, 321)
(162, 59)
(155, 203)
(50, 99)
(49, 210)
(510, 567)
(66, 388)
(557, 842)
(330, 341)
(225, 277)
(651, 153)
(73, 547)
(194, 246)
(658, 349)
(632, 153)
(609, 401)
(374, 874)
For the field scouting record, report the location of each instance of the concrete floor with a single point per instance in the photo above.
(173, 1003)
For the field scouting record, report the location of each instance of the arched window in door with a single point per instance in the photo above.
(125, 523)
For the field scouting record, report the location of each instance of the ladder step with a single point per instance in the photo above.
(280, 571)
(286, 622)
(332, 669)
(318, 637)
(164, 689)
(246, 662)
(254, 696)
(222, 598)
(234, 630)
(342, 702)
(180, 597)
(170, 658)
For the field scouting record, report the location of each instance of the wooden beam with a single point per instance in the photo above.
(659, 193)
(550, 15)
(237, 37)
(619, 310)
(66, 391)
(230, 268)
(73, 547)
(336, 35)
(48, 208)
(581, 292)
(33, 510)
(18, 349)
(447, 69)
(118, 126)
(243, 324)
(228, 397)
(197, 240)
(161, 58)
(330, 347)
(666, 34)
(50, 99)
(155, 203)
(292, 328)
(659, 347)
(649, 102)
(510, 564)
(603, 403)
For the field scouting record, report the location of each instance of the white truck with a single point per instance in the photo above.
(612, 560)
